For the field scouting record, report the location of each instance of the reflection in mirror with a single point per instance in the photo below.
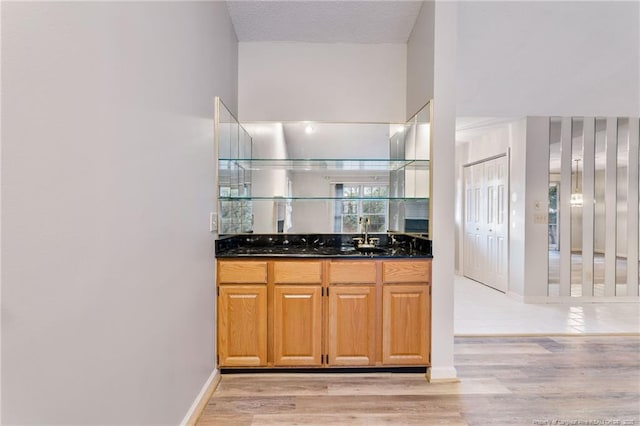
(599, 198)
(577, 159)
(621, 207)
(602, 165)
(554, 207)
(416, 212)
(234, 182)
(306, 177)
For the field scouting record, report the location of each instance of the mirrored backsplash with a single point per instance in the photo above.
(308, 177)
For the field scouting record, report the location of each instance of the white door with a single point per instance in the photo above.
(485, 245)
(473, 222)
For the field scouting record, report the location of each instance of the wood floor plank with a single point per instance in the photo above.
(422, 387)
(496, 348)
(225, 420)
(355, 419)
(250, 405)
(503, 381)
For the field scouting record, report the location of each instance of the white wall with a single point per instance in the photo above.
(322, 82)
(107, 173)
(438, 63)
(548, 58)
(420, 60)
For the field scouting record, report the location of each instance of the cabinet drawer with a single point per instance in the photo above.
(407, 272)
(297, 272)
(230, 272)
(352, 272)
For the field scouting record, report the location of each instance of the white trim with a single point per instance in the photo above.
(205, 393)
(483, 123)
(579, 300)
(545, 334)
(442, 374)
(515, 296)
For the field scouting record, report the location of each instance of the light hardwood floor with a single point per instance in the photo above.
(503, 381)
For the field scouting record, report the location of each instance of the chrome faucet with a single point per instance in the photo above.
(364, 221)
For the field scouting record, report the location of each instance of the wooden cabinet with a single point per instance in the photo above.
(242, 325)
(242, 313)
(406, 312)
(297, 312)
(324, 312)
(352, 325)
(245, 271)
(352, 272)
(297, 328)
(297, 272)
(406, 271)
(405, 325)
(352, 312)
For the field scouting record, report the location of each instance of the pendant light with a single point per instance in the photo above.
(576, 195)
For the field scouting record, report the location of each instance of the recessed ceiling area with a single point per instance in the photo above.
(324, 21)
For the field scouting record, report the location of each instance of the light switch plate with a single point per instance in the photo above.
(540, 218)
(213, 222)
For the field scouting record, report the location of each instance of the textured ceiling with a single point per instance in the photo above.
(370, 21)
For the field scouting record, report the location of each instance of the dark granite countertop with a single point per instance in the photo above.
(321, 246)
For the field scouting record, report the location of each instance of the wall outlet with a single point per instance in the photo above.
(213, 222)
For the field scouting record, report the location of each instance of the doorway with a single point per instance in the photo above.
(485, 224)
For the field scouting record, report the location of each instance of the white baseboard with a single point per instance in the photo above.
(515, 296)
(581, 299)
(442, 374)
(201, 400)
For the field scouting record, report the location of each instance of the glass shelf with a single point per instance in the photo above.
(311, 164)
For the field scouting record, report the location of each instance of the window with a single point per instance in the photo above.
(360, 200)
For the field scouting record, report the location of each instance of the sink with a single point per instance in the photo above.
(347, 249)
(370, 249)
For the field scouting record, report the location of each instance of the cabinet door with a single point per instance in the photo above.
(297, 328)
(352, 325)
(242, 325)
(405, 324)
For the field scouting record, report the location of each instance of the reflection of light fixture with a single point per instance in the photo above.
(308, 129)
(576, 195)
